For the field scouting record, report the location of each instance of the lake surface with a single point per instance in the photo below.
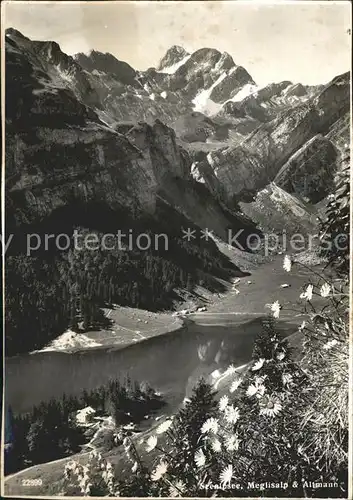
(171, 363)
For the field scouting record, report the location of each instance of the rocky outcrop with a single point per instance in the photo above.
(52, 67)
(256, 162)
(196, 127)
(333, 101)
(96, 62)
(339, 132)
(309, 173)
(273, 209)
(202, 171)
(266, 103)
(252, 165)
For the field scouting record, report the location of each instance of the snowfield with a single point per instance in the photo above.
(202, 101)
(172, 69)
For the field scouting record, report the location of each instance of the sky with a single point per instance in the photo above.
(305, 42)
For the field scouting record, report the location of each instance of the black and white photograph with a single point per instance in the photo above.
(176, 249)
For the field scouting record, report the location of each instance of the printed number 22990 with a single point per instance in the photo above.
(32, 482)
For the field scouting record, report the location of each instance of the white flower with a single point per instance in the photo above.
(275, 308)
(260, 380)
(257, 389)
(85, 470)
(108, 476)
(252, 390)
(287, 379)
(325, 290)
(270, 407)
(200, 458)
(230, 370)
(271, 412)
(232, 414)
(300, 450)
(308, 294)
(226, 475)
(151, 443)
(280, 355)
(211, 424)
(330, 344)
(258, 364)
(83, 485)
(302, 326)
(134, 467)
(177, 489)
(287, 263)
(216, 445)
(160, 470)
(232, 443)
(87, 489)
(235, 384)
(163, 427)
(223, 403)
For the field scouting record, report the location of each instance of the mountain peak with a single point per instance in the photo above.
(107, 63)
(13, 32)
(173, 56)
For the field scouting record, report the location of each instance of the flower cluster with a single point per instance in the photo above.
(96, 476)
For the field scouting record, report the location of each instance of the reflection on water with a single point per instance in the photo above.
(171, 363)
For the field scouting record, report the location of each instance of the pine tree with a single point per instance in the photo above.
(202, 405)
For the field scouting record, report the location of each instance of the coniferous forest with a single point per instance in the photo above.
(50, 431)
(51, 290)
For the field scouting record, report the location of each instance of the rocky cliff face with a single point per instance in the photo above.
(106, 63)
(51, 67)
(256, 162)
(309, 173)
(59, 152)
(272, 207)
(74, 125)
(266, 103)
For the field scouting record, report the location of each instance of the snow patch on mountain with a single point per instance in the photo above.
(202, 101)
(246, 91)
(173, 67)
(96, 72)
(232, 70)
